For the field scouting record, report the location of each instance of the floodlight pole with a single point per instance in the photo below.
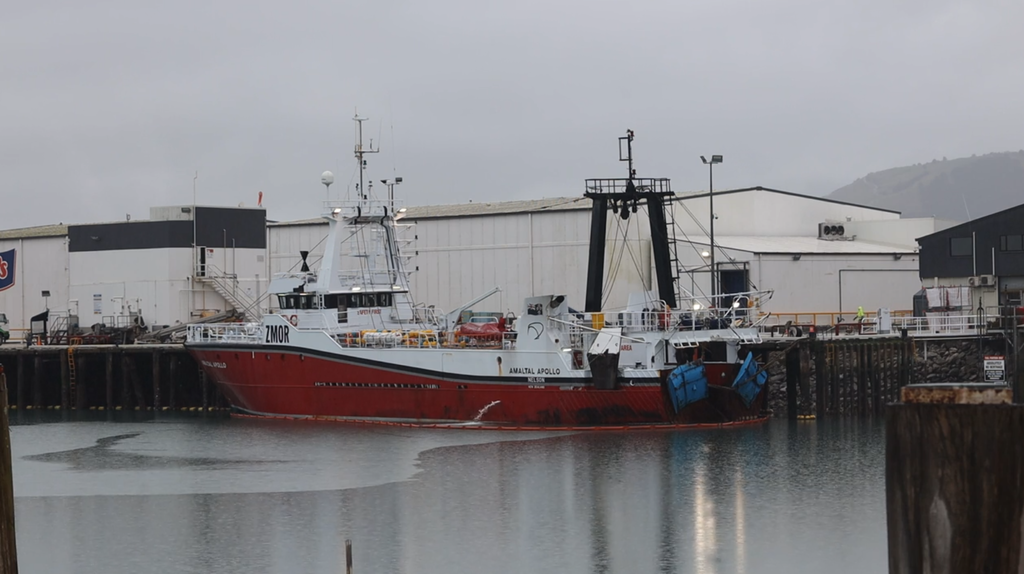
(711, 205)
(711, 232)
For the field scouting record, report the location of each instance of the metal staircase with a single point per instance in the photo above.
(226, 285)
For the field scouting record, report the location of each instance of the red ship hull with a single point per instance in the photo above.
(276, 382)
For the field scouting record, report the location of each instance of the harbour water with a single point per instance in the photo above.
(179, 493)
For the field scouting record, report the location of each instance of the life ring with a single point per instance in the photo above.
(294, 320)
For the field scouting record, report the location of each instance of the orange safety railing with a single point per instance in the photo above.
(825, 317)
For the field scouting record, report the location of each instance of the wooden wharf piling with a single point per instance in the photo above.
(107, 377)
(953, 473)
(860, 375)
(8, 544)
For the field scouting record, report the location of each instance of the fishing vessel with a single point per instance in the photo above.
(348, 342)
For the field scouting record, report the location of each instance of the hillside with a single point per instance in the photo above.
(987, 183)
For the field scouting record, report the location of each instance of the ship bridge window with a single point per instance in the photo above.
(369, 300)
(297, 301)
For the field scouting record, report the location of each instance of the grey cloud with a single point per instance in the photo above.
(110, 107)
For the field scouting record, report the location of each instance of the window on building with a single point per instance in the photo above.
(1011, 243)
(961, 247)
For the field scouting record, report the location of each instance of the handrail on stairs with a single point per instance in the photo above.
(226, 285)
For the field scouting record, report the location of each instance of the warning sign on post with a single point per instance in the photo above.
(995, 369)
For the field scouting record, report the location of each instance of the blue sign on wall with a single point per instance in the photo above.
(7, 269)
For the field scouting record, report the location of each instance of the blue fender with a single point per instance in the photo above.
(749, 382)
(687, 384)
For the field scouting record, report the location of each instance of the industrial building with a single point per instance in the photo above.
(189, 262)
(114, 273)
(818, 255)
(983, 257)
(765, 238)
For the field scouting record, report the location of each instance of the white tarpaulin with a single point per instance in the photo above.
(948, 297)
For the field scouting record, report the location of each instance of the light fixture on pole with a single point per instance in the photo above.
(711, 204)
(391, 183)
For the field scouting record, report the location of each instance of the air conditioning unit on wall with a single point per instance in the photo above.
(982, 281)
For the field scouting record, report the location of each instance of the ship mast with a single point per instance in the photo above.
(360, 152)
(393, 261)
(622, 196)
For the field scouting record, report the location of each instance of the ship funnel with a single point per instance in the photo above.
(305, 266)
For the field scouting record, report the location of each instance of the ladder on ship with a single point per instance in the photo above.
(673, 245)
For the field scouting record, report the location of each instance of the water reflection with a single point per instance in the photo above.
(776, 498)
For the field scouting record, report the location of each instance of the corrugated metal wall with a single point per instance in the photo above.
(525, 254)
(41, 263)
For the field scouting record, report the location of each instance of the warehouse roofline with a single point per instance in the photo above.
(58, 230)
(792, 245)
(471, 209)
(779, 191)
(972, 224)
(497, 208)
(551, 204)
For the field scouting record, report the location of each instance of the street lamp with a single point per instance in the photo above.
(711, 203)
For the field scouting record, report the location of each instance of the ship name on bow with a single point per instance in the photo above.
(276, 334)
(535, 371)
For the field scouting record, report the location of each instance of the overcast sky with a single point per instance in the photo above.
(109, 107)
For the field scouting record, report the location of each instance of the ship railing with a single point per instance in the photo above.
(750, 302)
(940, 323)
(661, 321)
(225, 333)
(823, 318)
(366, 280)
(424, 339)
(508, 340)
(425, 315)
(954, 322)
(394, 338)
(370, 207)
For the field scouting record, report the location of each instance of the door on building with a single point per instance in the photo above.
(732, 281)
(201, 267)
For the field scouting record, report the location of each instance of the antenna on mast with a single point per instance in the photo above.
(360, 152)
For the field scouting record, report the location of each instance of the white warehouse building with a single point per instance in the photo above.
(112, 273)
(766, 239)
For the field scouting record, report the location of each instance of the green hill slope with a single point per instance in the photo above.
(987, 184)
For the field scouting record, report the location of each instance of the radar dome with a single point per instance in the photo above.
(327, 178)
